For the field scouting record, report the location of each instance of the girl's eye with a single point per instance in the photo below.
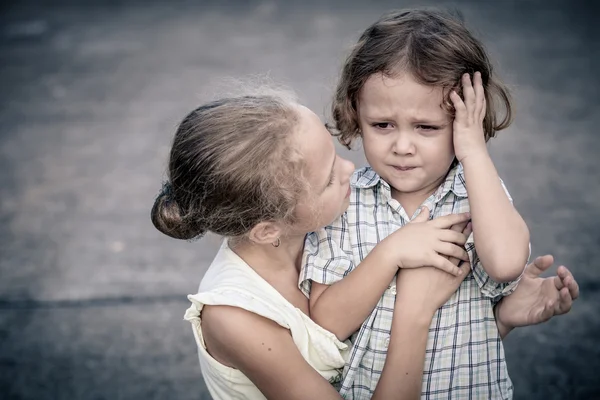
(331, 180)
(382, 125)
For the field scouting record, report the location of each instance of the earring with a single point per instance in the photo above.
(276, 243)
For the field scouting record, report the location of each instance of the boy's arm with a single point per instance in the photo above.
(500, 233)
(501, 236)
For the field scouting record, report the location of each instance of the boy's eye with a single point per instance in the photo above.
(382, 125)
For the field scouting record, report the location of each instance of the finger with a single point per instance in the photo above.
(565, 303)
(468, 93)
(567, 279)
(463, 228)
(455, 261)
(423, 215)
(558, 282)
(450, 236)
(459, 227)
(452, 250)
(447, 221)
(479, 93)
(465, 266)
(539, 265)
(459, 106)
(468, 230)
(445, 265)
(483, 110)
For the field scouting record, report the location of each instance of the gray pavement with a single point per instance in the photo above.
(92, 296)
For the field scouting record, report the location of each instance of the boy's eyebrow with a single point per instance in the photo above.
(418, 119)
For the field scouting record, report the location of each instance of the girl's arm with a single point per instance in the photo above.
(420, 293)
(402, 374)
(264, 352)
(501, 236)
(343, 306)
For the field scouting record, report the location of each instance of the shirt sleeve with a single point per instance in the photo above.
(324, 259)
(490, 288)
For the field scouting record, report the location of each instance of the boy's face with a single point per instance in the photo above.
(407, 135)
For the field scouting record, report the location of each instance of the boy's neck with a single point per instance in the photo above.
(410, 201)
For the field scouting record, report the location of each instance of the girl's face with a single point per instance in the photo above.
(407, 135)
(328, 174)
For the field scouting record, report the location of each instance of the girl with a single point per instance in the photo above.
(262, 171)
(426, 147)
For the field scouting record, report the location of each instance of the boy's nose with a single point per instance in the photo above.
(403, 144)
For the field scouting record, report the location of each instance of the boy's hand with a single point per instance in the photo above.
(425, 242)
(537, 299)
(468, 133)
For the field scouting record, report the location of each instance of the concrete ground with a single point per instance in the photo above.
(92, 296)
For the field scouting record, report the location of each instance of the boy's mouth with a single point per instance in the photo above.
(400, 168)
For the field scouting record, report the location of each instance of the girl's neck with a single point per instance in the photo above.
(268, 260)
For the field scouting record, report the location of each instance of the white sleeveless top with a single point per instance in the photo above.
(230, 281)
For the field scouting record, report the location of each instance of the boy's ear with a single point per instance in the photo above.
(265, 232)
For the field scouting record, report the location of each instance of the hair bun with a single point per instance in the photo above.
(166, 216)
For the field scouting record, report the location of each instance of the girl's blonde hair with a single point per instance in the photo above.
(232, 165)
(435, 48)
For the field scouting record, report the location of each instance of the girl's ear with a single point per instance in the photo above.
(266, 232)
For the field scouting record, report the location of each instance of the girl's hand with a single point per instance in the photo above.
(537, 299)
(430, 243)
(468, 120)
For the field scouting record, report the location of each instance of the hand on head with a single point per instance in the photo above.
(468, 135)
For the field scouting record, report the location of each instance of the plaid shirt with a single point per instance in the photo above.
(464, 357)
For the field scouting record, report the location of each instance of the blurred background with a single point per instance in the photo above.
(92, 296)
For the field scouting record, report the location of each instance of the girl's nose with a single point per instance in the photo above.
(348, 168)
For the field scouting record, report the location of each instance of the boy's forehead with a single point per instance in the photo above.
(382, 95)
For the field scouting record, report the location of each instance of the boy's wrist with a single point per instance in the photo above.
(502, 325)
(474, 156)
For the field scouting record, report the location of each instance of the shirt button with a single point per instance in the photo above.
(386, 342)
(393, 290)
